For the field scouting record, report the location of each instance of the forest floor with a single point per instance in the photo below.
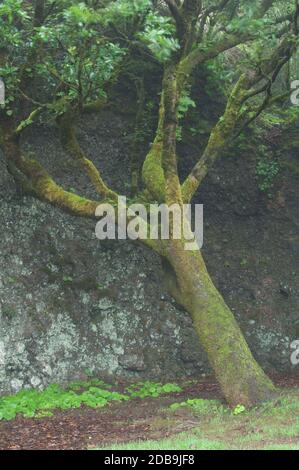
(203, 422)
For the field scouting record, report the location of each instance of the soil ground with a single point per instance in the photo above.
(139, 420)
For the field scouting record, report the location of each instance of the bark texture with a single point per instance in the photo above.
(241, 378)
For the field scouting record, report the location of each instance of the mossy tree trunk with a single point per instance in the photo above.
(241, 379)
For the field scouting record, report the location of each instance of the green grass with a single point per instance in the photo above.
(291, 430)
(272, 426)
(182, 441)
(282, 447)
(202, 407)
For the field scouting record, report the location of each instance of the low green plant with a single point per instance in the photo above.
(201, 406)
(267, 171)
(239, 410)
(80, 385)
(151, 389)
(34, 403)
(93, 393)
(184, 105)
(244, 262)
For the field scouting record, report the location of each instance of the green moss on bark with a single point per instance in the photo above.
(241, 378)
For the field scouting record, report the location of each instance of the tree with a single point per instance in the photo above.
(182, 36)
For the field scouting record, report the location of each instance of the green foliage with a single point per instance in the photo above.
(248, 25)
(93, 393)
(144, 132)
(281, 118)
(220, 76)
(207, 407)
(81, 15)
(201, 406)
(67, 53)
(244, 262)
(11, 9)
(33, 403)
(184, 105)
(79, 385)
(239, 409)
(88, 60)
(120, 12)
(267, 170)
(158, 34)
(151, 389)
(12, 40)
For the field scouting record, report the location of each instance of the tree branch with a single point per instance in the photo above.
(203, 53)
(224, 130)
(265, 6)
(70, 143)
(218, 141)
(178, 17)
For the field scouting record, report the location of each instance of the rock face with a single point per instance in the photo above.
(71, 305)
